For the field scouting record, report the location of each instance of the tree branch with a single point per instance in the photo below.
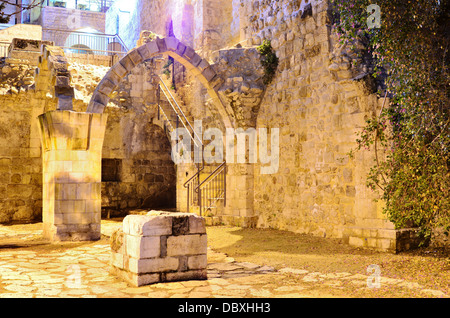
(19, 7)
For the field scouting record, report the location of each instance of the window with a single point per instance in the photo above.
(89, 5)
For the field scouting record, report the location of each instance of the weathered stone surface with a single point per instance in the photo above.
(142, 246)
(152, 265)
(186, 245)
(173, 253)
(139, 225)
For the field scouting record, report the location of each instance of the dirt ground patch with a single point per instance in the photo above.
(427, 266)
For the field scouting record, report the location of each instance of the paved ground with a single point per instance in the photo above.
(30, 267)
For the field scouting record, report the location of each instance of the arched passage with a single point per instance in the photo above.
(181, 53)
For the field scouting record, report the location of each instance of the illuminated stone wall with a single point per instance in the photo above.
(204, 25)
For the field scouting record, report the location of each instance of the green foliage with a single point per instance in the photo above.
(166, 68)
(411, 135)
(269, 61)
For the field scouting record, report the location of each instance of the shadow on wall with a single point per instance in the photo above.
(165, 199)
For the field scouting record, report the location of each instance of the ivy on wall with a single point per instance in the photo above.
(411, 134)
(269, 61)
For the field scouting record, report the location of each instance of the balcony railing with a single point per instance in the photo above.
(93, 46)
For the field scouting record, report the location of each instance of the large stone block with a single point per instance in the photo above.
(119, 69)
(140, 225)
(135, 56)
(172, 43)
(142, 246)
(152, 49)
(153, 265)
(186, 245)
(106, 87)
(159, 247)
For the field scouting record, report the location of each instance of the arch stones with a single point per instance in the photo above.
(183, 54)
(72, 141)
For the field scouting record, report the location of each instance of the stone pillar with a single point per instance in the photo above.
(72, 151)
(239, 210)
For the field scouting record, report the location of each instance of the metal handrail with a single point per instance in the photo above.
(212, 189)
(193, 184)
(195, 175)
(210, 176)
(182, 113)
(193, 139)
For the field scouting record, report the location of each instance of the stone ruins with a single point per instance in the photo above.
(86, 135)
(159, 247)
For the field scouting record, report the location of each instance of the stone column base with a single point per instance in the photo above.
(72, 232)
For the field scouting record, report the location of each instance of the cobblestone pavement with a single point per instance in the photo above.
(30, 267)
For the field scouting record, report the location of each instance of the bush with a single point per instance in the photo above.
(413, 131)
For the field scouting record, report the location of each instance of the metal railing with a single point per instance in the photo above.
(213, 189)
(180, 114)
(98, 44)
(191, 184)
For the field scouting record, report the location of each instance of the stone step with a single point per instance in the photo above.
(196, 210)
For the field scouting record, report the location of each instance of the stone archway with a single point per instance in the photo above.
(72, 141)
(181, 53)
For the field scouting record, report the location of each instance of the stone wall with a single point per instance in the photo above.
(20, 149)
(24, 31)
(123, 19)
(53, 19)
(147, 174)
(20, 158)
(204, 25)
(318, 102)
(71, 20)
